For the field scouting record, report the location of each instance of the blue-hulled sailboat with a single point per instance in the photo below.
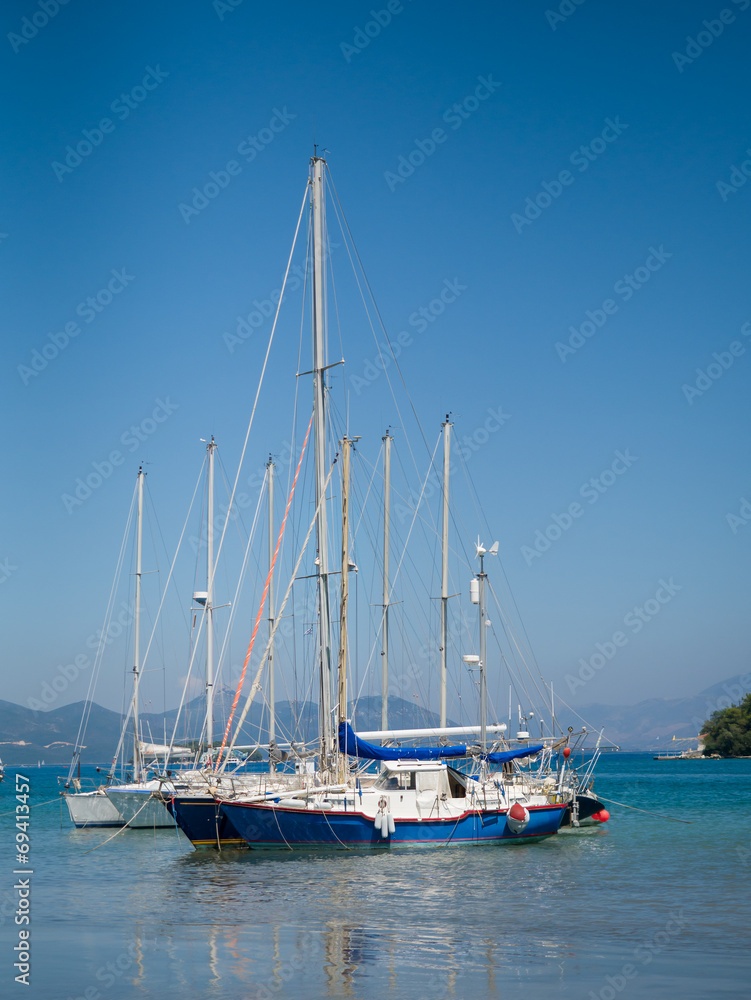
(419, 797)
(418, 800)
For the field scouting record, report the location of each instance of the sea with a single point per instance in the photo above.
(654, 903)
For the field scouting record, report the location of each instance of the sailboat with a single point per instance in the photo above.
(133, 801)
(142, 802)
(418, 798)
(92, 808)
(190, 799)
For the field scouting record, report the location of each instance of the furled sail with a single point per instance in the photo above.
(351, 744)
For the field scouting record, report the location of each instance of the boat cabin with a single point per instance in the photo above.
(417, 776)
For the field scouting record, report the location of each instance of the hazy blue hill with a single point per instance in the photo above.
(402, 715)
(51, 736)
(27, 737)
(650, 724)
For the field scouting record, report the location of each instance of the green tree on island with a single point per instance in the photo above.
(728, 731)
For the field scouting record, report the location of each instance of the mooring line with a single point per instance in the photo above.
(649, 812)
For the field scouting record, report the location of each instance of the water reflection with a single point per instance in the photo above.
(341, 921)
(551, 918)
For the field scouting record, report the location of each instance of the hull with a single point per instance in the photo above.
(588, 806)
(92, 809)
(139, 808)
(266, 827)
(203, 822)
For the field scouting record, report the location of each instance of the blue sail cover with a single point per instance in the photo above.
(503, 755)
(351, 744)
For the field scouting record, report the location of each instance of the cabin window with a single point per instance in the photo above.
(427, 781)
(388, 781)
(396, 781)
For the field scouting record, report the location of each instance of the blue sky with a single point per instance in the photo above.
(493, 103)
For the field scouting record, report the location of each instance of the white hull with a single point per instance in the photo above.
(139, 809)
(92, 809)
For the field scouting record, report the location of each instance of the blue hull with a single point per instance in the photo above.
(202, 822)
(265, 827)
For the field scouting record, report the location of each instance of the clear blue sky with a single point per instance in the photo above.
(183, 88)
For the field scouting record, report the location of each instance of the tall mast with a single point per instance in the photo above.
(342, 668)
(481, 577)
(386, 546)
(445, 566)
(272, 703)
(211, 448)
(319, 320)
(137, 631)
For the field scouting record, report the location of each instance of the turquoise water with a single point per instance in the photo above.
(642, 907)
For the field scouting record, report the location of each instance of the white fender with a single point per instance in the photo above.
(517, 818)
(383, 817)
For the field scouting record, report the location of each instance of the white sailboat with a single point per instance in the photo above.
(133, 801)
(139, 802)
(95, 807)
(92, 807)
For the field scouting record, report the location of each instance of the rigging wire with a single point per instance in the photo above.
(234, 605)
(110, 610)
(261, 378)
(256, 681)
(263, 598)
(161, 603)
(392, 583)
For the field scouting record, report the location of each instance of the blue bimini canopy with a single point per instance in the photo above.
(351, 744)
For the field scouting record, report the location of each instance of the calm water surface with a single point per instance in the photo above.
(642, 907)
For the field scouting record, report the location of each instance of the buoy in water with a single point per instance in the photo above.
(603, 815)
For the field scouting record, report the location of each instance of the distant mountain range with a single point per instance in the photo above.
(651, 724)
(27, 737)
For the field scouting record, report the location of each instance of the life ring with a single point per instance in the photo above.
(383, 803)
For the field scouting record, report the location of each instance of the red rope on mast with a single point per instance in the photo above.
(263, 601)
